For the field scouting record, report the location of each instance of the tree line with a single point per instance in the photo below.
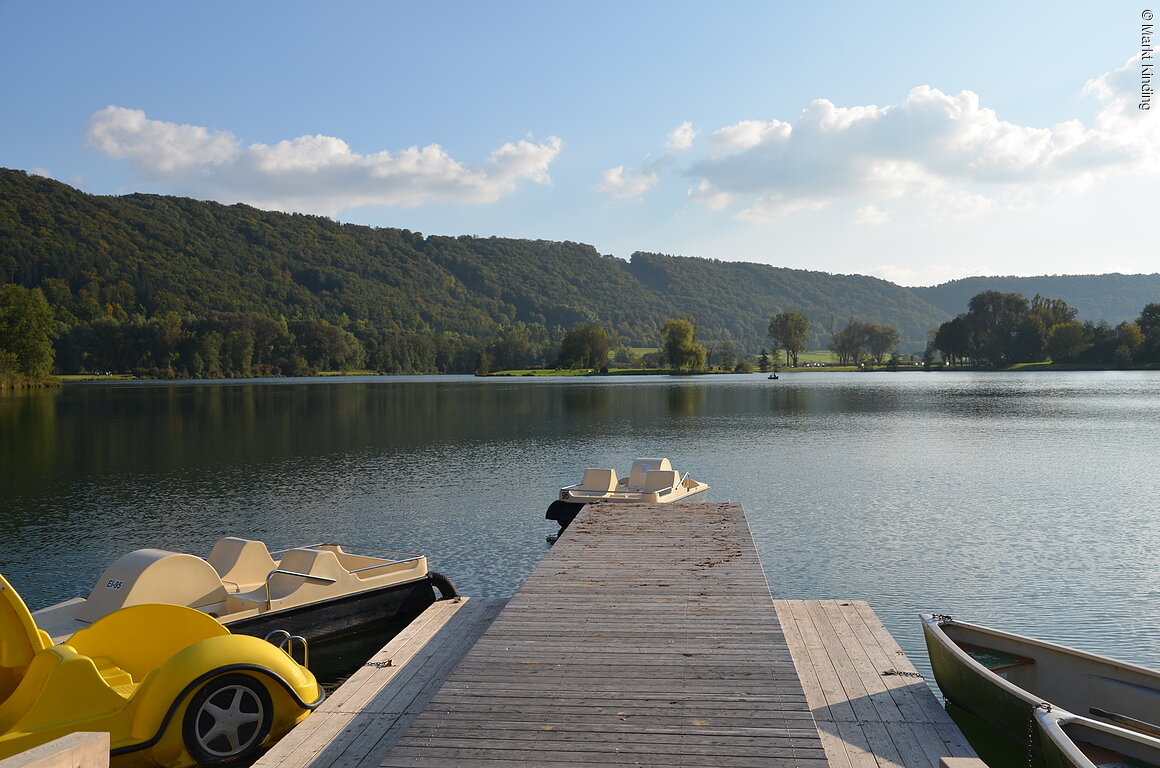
(35, 342)
(1001, 329)
(857, 343)
(998, 330)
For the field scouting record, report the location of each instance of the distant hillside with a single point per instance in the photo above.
(167, 283)
(704, 288)
(1112, 298)
(143, 255)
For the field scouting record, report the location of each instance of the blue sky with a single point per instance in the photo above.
(914, 142)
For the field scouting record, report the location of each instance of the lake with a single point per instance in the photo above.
(1026, 501)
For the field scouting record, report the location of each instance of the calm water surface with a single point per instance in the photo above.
(1026, 501)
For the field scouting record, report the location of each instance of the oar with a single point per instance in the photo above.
(1131, 722)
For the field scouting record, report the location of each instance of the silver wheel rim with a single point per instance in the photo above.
(229, 721)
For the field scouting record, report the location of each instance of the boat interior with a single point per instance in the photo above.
(1086, 684)
(239, 578)
(649, 479)
(650, 475)
(1108, 747)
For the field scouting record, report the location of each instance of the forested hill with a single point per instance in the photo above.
(746, 295)
(138, 258)
(144, 255)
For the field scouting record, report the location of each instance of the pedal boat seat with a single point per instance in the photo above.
(637, 476)
(154, 576)
(241, 564)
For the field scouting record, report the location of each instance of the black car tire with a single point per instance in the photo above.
(227, 720)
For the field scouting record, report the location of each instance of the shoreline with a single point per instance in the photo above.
(58, 381)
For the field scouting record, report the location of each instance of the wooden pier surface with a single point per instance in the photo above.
(647, 636)
(359, 722)
(635, 641)
(872, 708)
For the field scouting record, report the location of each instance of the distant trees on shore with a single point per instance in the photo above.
(1001, 329)
(858, 342)
(859, 339)
(26, 332)
(679, 341)
(585, 346)
(997, 331)
(790, 330)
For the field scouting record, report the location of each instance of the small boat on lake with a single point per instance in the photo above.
(651, 481)
(1089, 710)
(314, 591)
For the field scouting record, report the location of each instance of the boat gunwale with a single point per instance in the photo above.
(571, 493)
(936, 622)
(348, 549)
(1052, 725)
(933, 624)
(1050, 717)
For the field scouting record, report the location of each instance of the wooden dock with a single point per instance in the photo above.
(872, 708)
(360, 722)
(647, 636)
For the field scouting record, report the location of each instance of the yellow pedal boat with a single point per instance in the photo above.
(314, 591)
(171, 686)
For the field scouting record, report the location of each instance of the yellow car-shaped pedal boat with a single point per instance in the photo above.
(171, 685)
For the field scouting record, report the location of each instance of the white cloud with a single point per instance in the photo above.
(305, 154)
(317, 174)
(911, 148)
(705, 194)
(947, 153)
(619, 182)
(680, 138)
(160, 148)
(1122, 128)
(778, 205)
(1115, 84)
(953, 203)
(871, 215)
(750, 133)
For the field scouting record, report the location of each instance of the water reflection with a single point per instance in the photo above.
(1019, 500)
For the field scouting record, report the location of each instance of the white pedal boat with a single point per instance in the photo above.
(314, 591)
(650, 481)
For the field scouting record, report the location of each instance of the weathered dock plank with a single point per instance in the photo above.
(363, 718)
(83, 749)
(634, 642)
(872, 709)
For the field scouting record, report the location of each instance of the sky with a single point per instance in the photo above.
(916, 142)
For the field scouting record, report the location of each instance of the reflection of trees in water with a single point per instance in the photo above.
(794, 400)
(837, 400)
(585, 399)
(685, 400)
(29, 445)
